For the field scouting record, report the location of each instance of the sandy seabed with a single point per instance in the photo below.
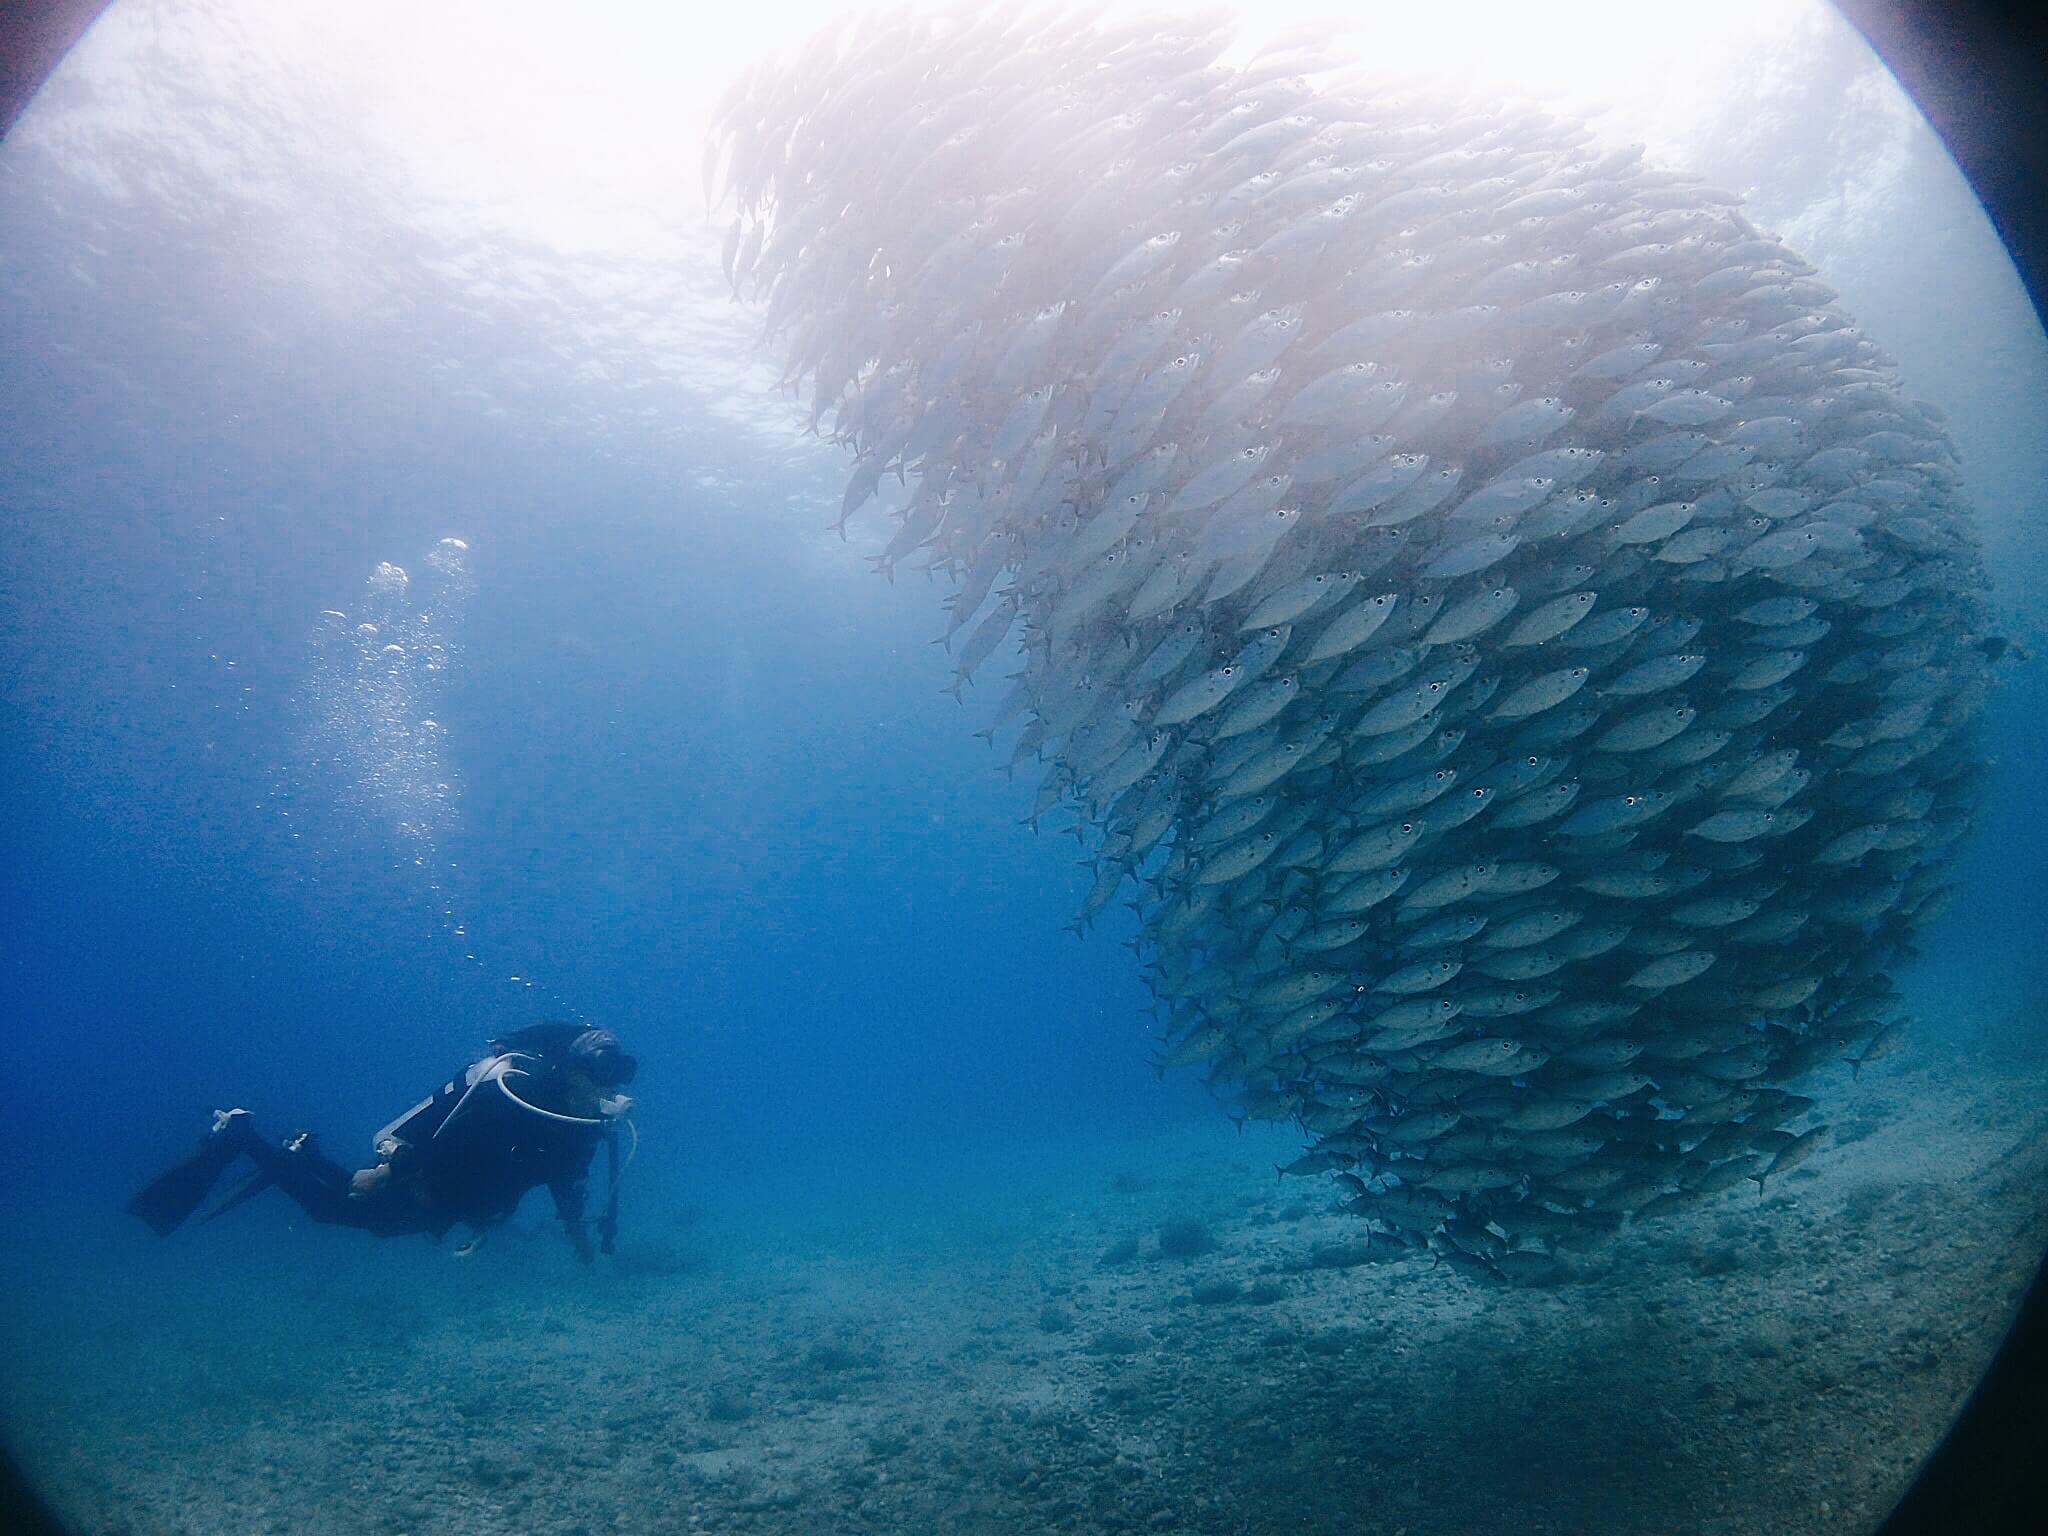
(988, 1356)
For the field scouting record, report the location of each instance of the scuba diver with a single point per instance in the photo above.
(531, 1112)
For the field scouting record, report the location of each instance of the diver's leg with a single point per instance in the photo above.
(318, 1184)
(396, 1210)
(329, 1193)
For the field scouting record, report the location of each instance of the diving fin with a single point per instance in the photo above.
(168, 1200)
(254, 1185)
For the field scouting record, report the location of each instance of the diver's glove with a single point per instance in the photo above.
(365, 1182)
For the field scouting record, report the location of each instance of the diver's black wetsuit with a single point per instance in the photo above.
(531, 1113)
(474, 1168)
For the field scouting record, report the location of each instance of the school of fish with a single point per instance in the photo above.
(1491, 607)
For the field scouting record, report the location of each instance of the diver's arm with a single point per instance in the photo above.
(608, 1223)
(569, 1192)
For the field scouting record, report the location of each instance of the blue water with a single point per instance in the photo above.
(704, 784)
(765, 848)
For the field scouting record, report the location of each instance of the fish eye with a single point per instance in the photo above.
(1630, 800)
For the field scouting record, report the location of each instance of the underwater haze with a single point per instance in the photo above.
(433, 603)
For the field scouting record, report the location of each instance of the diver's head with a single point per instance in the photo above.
(596, 1053)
